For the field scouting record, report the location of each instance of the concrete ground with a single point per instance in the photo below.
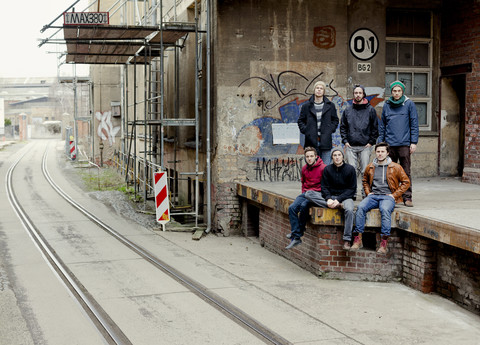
(307, 310)
(351, 312)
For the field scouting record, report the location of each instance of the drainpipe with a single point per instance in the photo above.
(209, 179)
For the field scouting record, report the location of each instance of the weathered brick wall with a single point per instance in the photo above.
(458, 276)
(250, 215)
(321, 251)
(227, 216)
(419, 263)
(460, 44)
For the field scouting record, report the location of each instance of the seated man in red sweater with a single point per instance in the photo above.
(311, 182)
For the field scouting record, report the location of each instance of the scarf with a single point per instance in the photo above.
(395, 103)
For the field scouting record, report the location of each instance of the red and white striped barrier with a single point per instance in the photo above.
(73, 151)
(161, 198)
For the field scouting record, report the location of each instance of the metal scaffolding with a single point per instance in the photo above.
(147, 44)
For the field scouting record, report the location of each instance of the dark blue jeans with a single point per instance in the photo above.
(385, 203)
(325, 155)
(298, 214)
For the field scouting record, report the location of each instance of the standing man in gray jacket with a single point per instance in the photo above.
(359, 131)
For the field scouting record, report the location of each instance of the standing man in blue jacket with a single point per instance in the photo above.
(318, 120)
(359, 131)
(399, 128)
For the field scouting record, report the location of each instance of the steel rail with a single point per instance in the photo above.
(111, 333)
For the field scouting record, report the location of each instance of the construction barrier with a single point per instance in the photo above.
(161, 198)
(73, 151)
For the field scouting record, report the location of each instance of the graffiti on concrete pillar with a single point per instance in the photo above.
(278, 169)
(283, 86)
(106, 130)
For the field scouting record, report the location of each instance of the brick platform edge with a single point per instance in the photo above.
(424, 254)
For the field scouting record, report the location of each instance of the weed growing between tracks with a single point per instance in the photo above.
(100, 179)
(107, 185)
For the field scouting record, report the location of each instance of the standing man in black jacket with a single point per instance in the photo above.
(318, 120)
(339, 184)
(359, 131)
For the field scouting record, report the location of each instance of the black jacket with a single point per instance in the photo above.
(359, 125)
(307, 123)
(339, 181)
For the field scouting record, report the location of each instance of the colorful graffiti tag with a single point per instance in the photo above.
(256, 138)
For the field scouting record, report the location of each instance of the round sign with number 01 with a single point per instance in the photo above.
(364, 44)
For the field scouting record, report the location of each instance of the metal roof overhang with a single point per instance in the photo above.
(112, 44)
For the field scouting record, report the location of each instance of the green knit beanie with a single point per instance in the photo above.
(397, 83)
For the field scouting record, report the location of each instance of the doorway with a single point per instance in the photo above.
(452, 125)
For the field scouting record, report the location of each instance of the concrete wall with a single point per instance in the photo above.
(268, 55)
(107, 89)
(264, 72)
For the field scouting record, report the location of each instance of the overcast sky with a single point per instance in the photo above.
(20, 25)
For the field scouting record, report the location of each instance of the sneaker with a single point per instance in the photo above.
(346, 245)
(289, 236)
(383, 247)
(293, 243)
(408, 203)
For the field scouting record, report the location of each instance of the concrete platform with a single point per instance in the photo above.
(446, 210)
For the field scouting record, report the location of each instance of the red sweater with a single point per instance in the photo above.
(312, 175)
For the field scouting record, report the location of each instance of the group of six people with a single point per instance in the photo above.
(329, 178)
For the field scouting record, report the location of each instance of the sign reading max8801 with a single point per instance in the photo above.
(364, 44)
(85, 18)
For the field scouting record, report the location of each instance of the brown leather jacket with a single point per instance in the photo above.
(397, 180)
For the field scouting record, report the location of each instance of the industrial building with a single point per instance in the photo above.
(210, 91)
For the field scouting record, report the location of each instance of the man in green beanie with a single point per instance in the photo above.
(398, 127)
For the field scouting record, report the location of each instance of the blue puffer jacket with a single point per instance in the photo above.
(399, 124)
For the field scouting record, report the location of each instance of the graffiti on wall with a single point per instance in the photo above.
(106, 130)
(324, 37)
(278, 169)
(280, 86)
(256, 137)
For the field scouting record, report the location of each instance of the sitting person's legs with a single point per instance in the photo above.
(316, 198)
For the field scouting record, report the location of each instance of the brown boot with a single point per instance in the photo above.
(383, 246)
(357, 242)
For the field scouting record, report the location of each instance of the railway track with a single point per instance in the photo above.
(105, 324)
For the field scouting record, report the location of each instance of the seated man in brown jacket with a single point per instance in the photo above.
(384, 183)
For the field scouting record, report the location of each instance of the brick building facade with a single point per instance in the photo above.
(460, 57)
(266, 56)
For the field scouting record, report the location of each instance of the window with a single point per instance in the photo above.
(408, 59)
